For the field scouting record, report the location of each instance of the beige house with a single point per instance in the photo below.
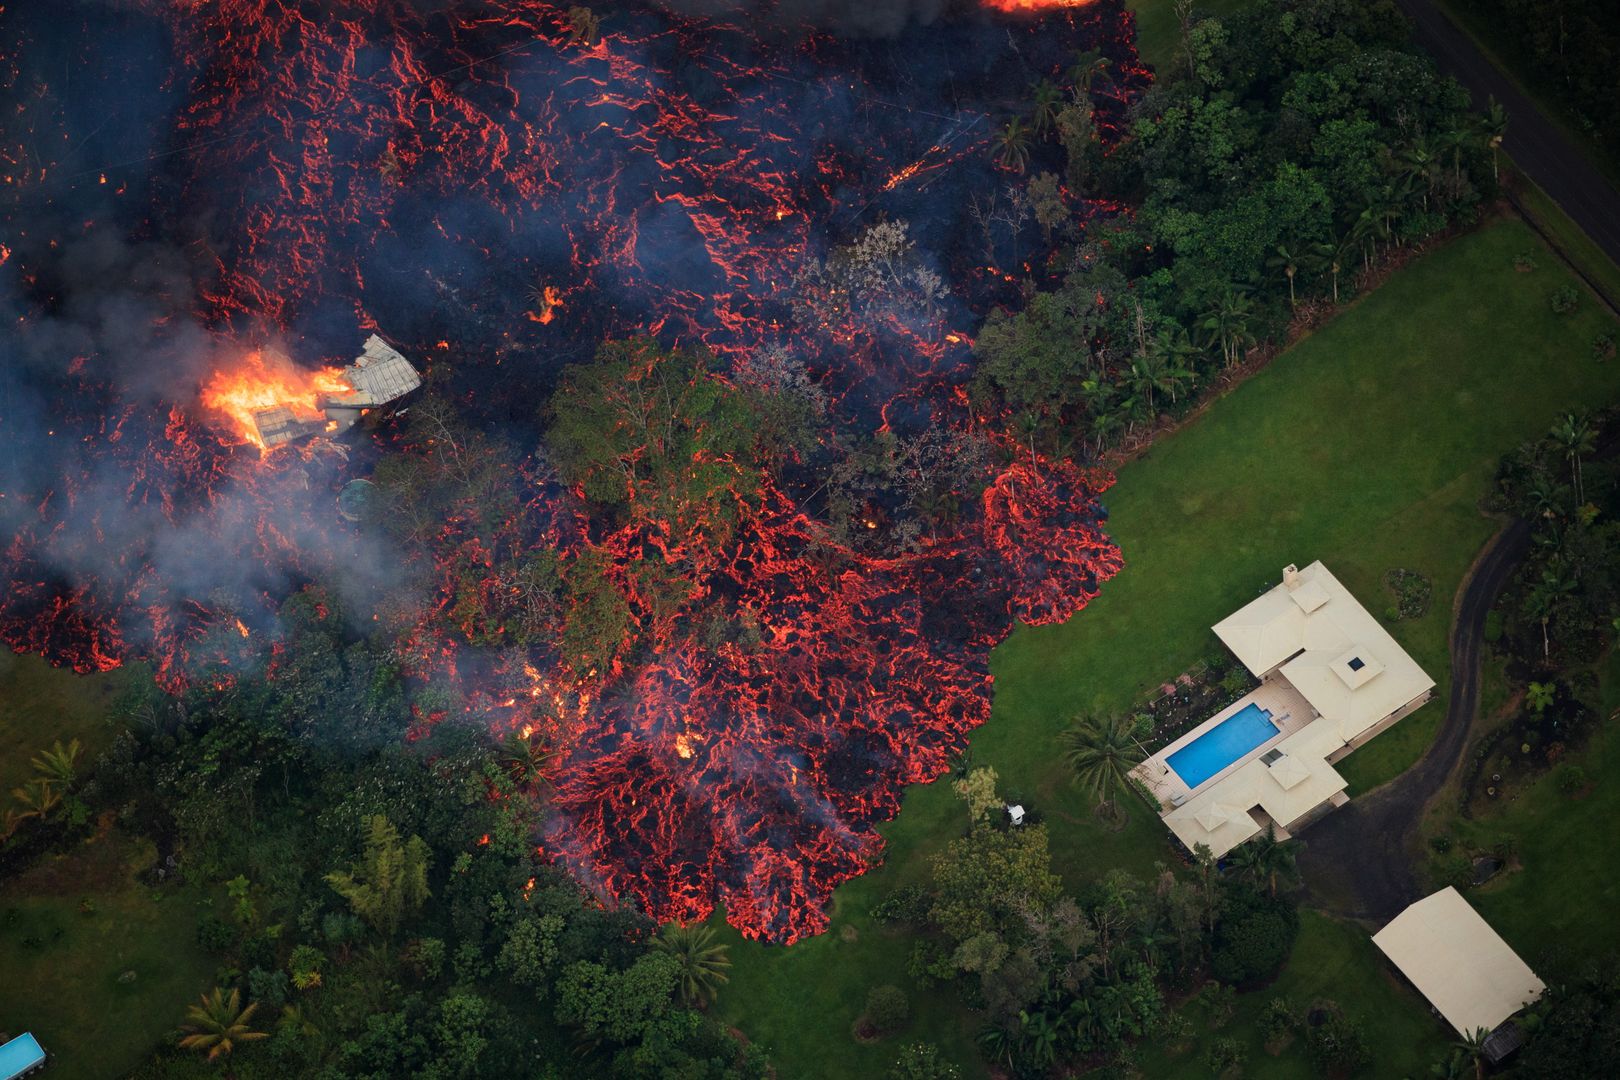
(1331, 678)
(1468, 973)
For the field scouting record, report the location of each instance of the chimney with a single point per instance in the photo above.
(1291, 577)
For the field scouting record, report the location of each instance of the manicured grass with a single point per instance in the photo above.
(1335, 961)
(1369, 446)
(1158, 34)
(40, 704)
(67, 970)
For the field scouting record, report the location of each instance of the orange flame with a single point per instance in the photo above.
(550, 300)
(1033, 5)
(264, 380)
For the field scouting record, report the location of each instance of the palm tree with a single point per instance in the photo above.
(1417, 161)
(1047, 100)
(526, 756)
(1012, 145)
(1265, 858)
(217, 1023)
(1285, 261)
(1228, 323)
(1178, 351)
(1087, 68)
(1038, 1038)
(1454, 140)
(1493, 129)
(1102, 754)
(1472, 1046)
(1547, 597)
(1574, 435)
(38, 798)
(57, 765)
(703, 960)
(1454, 1066)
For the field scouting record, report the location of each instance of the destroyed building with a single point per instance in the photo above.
(379, 375)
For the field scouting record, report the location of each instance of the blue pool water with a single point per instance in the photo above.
(19, 1055)
(1222, 744)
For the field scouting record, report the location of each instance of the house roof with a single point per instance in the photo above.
(378, 375)
(1333, 651)
(1465, 969)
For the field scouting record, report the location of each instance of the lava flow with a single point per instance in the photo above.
(499, 187)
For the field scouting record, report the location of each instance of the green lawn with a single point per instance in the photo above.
(68, 970)
(1558, 908)
(39, 704)
(1367, 445)
(1331, 960)
(1158, 34)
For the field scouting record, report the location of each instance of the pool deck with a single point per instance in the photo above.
(1289, 710)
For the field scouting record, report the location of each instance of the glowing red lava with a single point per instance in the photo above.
(502, 196)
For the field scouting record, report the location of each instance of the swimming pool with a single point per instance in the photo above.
(1222, 744)
(19, 1056)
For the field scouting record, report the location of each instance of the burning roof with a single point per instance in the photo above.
(378, 376)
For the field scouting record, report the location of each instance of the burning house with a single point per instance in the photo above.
(379, 375)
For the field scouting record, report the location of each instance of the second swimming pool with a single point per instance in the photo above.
(1222, 744)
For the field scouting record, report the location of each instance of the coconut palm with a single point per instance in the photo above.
(703, 960)
(1285, 260)
(1575, 437)
(1087, 68)
(1046, 102)
(526, 756)
(1264, 859)
(216, 1024)
(1102, 753)
(1228, 323)
(58, 764)
(1472, 1046)
(1012, 145)
(38, 797)
(1492, 130)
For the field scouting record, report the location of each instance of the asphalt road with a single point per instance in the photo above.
(1538, 148)
(1358, 861)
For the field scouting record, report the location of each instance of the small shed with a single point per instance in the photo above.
(1468, 973)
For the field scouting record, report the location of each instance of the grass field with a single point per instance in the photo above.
(1367, 445)
(41, 704)
(1332, 961)
(99, 983)
(1557, 908)
(1158, 34)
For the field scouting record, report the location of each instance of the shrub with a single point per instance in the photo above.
(1493, 626)
(1218, 1001)
(929, 962)
(1235, 681)
(1603, 347)
(908, 904)
(1224, 1054)
(1254, 937)
(921, 1061)
(1412, 592)
(1571, 779)
(1337, 1044)
(1279, 1020)
(1441, 843)
(1524, 262)
(268, 988)
(887, 1008)
(215, 934)
(1565, 299)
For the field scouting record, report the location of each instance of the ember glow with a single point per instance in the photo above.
(499, 197)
